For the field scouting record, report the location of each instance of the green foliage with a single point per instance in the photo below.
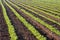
(32, 10)
(10, 27)
(28, 25)
(42, 22)
(53, 4)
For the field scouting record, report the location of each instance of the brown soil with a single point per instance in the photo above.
(56, 19)
(48, 9)
(44, 10)
(49, 16)
(50, 12)
(42, 18)
(22, 32)
(4, 35)
(43, 30)
(45, 20)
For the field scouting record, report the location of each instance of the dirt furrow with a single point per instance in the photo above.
(42, 18)
(49, 16)
(43, 9)
(22, 32)
(42, 29)
(4, 35)
(45, 20)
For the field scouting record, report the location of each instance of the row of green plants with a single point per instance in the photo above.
(41, 3)
(49, 13)
(42, 8)
(36, 2)
(40, 21)
(48, 10)
(10, 26)
(32, 10)
(28, 25)
(48, 7)
(36, 12)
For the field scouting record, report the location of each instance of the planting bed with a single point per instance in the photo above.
(22, 32)
(4, 35)
(24, 22)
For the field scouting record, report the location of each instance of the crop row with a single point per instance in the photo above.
(45, 5)
(37, 13)
(29, 26)
(49, 13)
(25, 22)
(47, 10)
(40, 21)
(10, 26)
(32, 10)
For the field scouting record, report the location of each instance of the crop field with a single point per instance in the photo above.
(29, 19)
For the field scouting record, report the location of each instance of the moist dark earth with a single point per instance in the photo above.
(4, 35)
(21, 31)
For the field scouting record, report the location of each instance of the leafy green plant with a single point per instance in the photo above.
(10, 26)
(41, 22)
(31, 9)
(48, 13)
(28, 25)
(45, 3)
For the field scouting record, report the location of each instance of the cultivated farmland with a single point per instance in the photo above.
(29, 20)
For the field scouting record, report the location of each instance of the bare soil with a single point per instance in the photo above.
(22, 32)
(49, 16)
(45, 20)
(42, 29)
(4, 35)
(42, 18)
